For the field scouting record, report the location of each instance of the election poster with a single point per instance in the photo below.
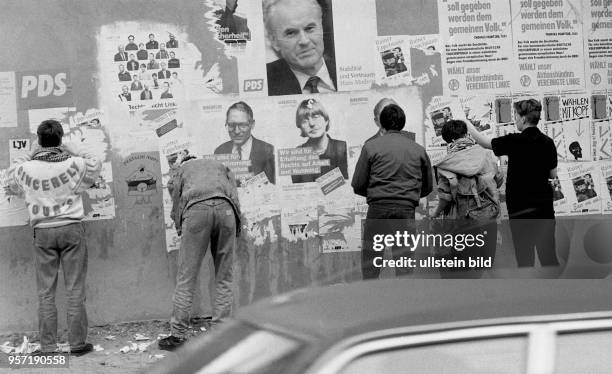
(601, 140)
(597, 27)
(141, 180)
(8, 100)
(606, 186)
(478, 55)
(439, 111)
(393, 63)
(426, 64)
(569, 116)
(238, 34)
(479, 110)
(139, 63)
(585, 188)
(355, 62)
(19, 148)
(88, 130)
(547, 42)
(562, 190)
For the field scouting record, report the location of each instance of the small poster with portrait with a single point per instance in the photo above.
(440, 110)
(606, 186)
(585, 183)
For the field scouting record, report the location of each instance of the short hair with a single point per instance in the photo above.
(151, 35)
(268, 9)
(242, 107)
(307, 108)
(141, 44)
(392, 117)
(50, 133)
(143, 66)
(380, 105)
(130, 36)
(453, 130)
(574, 145)
(530, 109)
(154, 75)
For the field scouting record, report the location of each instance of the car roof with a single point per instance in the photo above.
(345, 310)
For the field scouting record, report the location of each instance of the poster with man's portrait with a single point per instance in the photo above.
(300, 47)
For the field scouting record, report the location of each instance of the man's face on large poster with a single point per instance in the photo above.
(297, 34)
(239, 126)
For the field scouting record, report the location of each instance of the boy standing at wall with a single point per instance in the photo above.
(52, 179)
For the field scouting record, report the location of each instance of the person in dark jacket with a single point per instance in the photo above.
(393, 173)
(532, 165)
(205, 210)
(313, 121)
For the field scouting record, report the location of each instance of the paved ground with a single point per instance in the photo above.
(111, 359)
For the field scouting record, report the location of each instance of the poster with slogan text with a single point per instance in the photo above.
(478, 56)
(547, 37)
(597, 29)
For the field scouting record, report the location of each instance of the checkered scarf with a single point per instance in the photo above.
(51, 154)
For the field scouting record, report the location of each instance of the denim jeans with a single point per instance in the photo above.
(381, 216)
(52, 246)
(209, 221)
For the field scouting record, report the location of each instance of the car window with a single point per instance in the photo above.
(506, 355)
(584, 352)
(260, 352)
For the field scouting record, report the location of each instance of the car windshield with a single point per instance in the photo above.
(259, 352)
(237, 348)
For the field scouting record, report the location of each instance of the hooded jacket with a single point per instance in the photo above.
(474, 161)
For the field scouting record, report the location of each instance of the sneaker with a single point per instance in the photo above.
(171, 343)
(88, 347)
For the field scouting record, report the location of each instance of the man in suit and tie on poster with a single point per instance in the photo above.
(239, 123)
(172, 43)
(152, 43)
(295, 31)
(136, 83)
(132, 65)
(131, 46)
(121, 55)
(142, 53)
(163, 73)
(123, 75)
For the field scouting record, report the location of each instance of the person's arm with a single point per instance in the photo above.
(427, 176)
(442, 205)
(93, 166)
(361, 176)
(482, 140)
(13, 187)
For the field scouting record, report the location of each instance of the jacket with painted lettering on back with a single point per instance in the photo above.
(53, 189)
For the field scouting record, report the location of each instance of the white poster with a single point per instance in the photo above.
(548, 42)
(8, 100)
(597, 44)
(477, 39)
